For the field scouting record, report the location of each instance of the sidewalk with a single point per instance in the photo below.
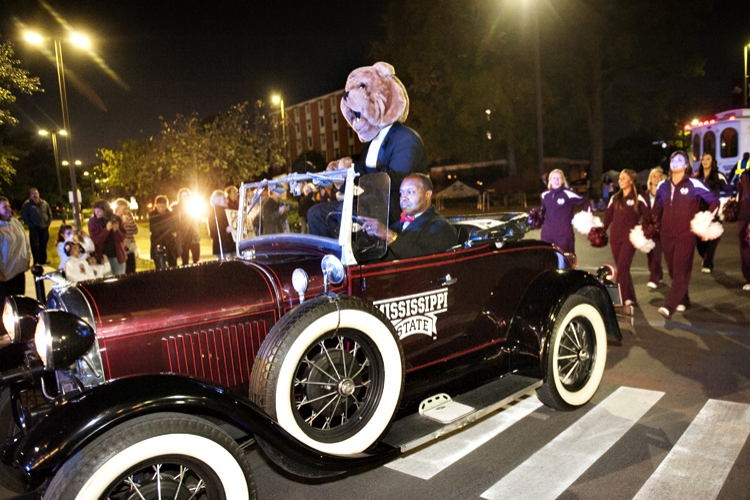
(143, 239)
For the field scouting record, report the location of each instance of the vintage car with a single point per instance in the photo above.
(327, 356)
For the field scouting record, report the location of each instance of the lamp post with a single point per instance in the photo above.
(744, 87)
(538, 74)
(57, 156)
(80, 41)
(280, 102)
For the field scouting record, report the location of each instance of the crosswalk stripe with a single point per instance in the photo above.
(573, 451)
(429, 461)
(701, 459)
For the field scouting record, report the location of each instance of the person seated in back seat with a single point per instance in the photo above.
(421, 230)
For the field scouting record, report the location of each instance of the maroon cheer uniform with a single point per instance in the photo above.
(743, 219)
(675, 206)
(622, 215)
(558, 208)
(655, 272)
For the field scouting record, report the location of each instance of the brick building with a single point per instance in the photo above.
(317, 125)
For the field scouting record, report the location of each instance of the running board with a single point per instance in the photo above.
(415, 430)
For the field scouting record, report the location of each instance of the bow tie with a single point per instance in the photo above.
(406, 217)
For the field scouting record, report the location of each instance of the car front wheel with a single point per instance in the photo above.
(576, 355)
(330, 373)
(154, 457)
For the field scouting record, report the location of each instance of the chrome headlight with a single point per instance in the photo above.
(61, 338)
(20, 316)
(300, 282)
(333, 269)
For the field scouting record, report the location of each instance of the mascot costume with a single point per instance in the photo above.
(375, 104)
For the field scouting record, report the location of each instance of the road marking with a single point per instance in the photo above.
(573, 451)
(428, 461)
(701, 459)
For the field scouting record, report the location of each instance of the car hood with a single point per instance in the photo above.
(169, 298)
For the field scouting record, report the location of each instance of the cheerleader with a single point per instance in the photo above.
(743, 220)
(557, 204)
(716, 182)
(655, 272)
(677, 202)
(623, 213)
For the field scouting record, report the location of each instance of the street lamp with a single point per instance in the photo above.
(538, 74)
(744, 88)
(57, 156)
(82, 41)
(276, 99)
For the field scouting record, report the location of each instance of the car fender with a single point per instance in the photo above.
(71, 425)
(534, 317)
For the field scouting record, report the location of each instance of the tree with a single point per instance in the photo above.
(227, 148)
(457, 60)
(11, 78)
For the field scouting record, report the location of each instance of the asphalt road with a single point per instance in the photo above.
(670, 420)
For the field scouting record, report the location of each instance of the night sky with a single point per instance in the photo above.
(182, 56)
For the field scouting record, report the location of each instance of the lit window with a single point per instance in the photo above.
(709, 144)
(697, 147)
(729, 143)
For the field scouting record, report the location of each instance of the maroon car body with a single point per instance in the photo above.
(242, 343)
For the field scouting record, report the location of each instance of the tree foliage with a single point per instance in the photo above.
(458, 60)
(601, 60)
(12, 78)
(227, 148)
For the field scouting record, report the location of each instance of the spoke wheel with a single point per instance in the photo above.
(575, 356)
(320, 373)
(173, 478)
(334, 384)
(157, 457)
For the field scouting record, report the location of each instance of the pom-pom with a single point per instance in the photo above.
(640, 241)
(585, 221)
(598, 237)
(704, 226)
(536, 218)
(651, 226)
(730, 210)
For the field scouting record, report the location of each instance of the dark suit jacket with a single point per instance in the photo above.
(427, 234)
(401, 153)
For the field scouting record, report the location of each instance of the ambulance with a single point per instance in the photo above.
(726, 136)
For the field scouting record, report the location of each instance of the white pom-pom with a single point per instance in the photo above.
(639, 240)
(704, 226)
(722, 201)
(585, 221)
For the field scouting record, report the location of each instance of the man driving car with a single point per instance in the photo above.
(421, 230)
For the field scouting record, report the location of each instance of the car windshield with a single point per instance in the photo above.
(270, 212)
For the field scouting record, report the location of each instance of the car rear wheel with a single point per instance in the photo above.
(154, 457)
(321, 374)
(576, 355)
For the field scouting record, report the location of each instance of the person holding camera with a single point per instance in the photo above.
(108, 232)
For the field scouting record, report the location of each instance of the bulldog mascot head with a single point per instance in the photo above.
(374, 99)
